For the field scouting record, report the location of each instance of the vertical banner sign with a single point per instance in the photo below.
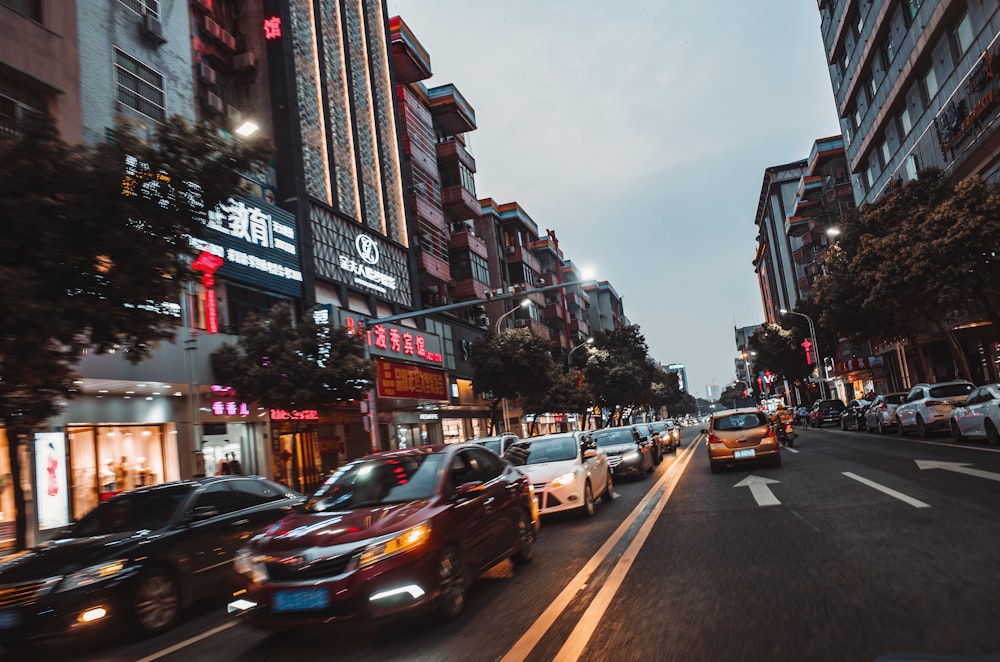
(51, 496)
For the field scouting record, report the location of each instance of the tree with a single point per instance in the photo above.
(566, 393)
(511, 364)
(735, 390)
(618, 370)
(96, 249)
(778, 351)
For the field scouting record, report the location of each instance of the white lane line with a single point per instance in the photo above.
(584, 630)
(788, 449)
(916, 503)
(188, 642)
(523, 646)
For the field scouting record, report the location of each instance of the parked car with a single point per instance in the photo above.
(927, 407)
(497, 443)
(650, 438)
(670, 435)
(825, 411)
(979, 416)
(627, 456)
(853, 416)
(389, 534)
(738, 436)
(138, 558)
(881, 415)
(568, 471)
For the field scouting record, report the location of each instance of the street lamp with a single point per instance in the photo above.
(812, 334)
(588, 341)
(524, 304)
(746, 365)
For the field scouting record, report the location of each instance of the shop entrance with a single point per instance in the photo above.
(296, 461)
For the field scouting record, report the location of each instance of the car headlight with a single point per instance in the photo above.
(397, 543)
(631, 455)
(246, 564)
(566, 479)
(92, 575)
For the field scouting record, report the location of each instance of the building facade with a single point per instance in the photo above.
(773, 259)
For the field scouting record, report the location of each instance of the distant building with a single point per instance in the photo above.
(712, 392)
(682, 377)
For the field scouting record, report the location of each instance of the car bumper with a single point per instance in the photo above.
(630, 467)
(558, 499)
(722, 454)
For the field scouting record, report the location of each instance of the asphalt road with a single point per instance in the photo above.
(856, 551)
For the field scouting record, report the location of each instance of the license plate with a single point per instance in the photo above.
(303, 600)
(9, 619)
(746, 452)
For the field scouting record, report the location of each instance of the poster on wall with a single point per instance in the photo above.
(51, 500)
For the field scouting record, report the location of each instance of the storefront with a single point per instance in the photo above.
(7, 513)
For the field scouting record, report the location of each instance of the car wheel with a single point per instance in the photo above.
(451, 578)
(526, 532)
(156, 603)
(956, 433)
(879, 428)
(922, 428)
(900, 430)
(843, 425)
(992, 436)
(609, 489)
(587, 509)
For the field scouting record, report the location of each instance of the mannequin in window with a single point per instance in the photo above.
(121, 474)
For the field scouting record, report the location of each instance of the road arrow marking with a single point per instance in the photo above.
(887, 490)
(759, 489)
(958, 467)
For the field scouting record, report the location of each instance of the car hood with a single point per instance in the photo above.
(338, 527)
(618, 449)
(62, 556)
(546, 471)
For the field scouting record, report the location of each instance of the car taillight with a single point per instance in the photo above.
(712, 439)
(935, 403)
(884, 406)
(771, 432)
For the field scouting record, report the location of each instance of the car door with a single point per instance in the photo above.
(470, 513)
(906, 412)
(595, 466)
(972, 415)
(500, 507)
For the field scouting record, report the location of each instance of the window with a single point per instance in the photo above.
(888, 51)
(930, 85)
(857, 117)
(886, 154)
(910, 9)
(963, 36)
(905, 123)
(138, 87)
(912, 166)
(151, 7)
(29, 8)
(872, 87)
(12, 116)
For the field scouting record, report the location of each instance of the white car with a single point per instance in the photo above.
(567, 470)
(927, 407)
(979, 416)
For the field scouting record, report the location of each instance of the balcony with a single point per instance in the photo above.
(796, 226)
(579, 326)
(452, 113)
(554, 311)
(427, 212)
(433, 268)
(521, 254)
(468, 289)
(409, 57)
(458, 202)
(804, 255)
(454, 150)
(467, 241)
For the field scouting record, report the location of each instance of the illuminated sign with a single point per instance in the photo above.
(398, 380)
(807, 345)
(230, 408)
(208, 264)
(52, 499)
(272, 28)
(294, 415)
(430, 417)
(394, 341)
(366, 275)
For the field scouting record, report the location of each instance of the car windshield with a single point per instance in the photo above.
(894, 399)
(147, 510)
(950, 390)
(380, 480)
(553, 449)
(613, 437)
(494, 444)
(739, 422)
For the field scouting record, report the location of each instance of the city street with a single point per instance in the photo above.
(859, 546)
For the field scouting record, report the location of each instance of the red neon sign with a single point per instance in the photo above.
(272, 28)
(294, 415)
(208, 264)
(807, 344)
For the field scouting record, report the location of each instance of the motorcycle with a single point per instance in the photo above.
(786, 434)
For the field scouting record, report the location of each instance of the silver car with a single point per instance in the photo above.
(881, 415)
(979, 416)
(927, 407)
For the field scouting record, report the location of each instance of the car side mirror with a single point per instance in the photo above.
(589, 453)
(465, 490)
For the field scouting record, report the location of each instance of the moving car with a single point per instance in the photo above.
(627, 456)
(927, 407)
(881, 415)
(138, 558)
(389, 534)
(979, 416)
(649, 437)
(497, 443)
(738, 436)
(567, 470)
(825, 411)
(670, 435)
(853, 416)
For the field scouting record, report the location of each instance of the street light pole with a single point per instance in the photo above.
(523, 304)
(588, 341)
(819, 359)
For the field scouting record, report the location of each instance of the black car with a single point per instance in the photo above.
(650, 438)
(825, 411)
(853, 417)
(138, 558)
(627, 456)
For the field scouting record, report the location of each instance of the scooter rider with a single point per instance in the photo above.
(782, 421)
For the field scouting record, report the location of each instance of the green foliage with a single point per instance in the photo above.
(618, 370)
(731, 392)
(514, 363)
(778, 350)
(294, 366)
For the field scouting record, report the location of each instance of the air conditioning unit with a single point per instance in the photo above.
(213, 28)
(152, 30)
(206, 73)
(520, 324)
(245, 61)
(510, 250)
(228, 39)
(214, 102)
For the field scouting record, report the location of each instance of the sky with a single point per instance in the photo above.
(639, 132)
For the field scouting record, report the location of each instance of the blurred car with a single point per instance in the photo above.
(979, 416)
(881, 415)
(497, 443)
(567, 470)
(853, 416)
(927, 407)
(825, 411)
(138, 558)
(670, 435)
(738, 436)
(626, 455)
(648, 437)
(389, 534)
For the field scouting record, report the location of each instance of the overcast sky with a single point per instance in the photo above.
(639, 132)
